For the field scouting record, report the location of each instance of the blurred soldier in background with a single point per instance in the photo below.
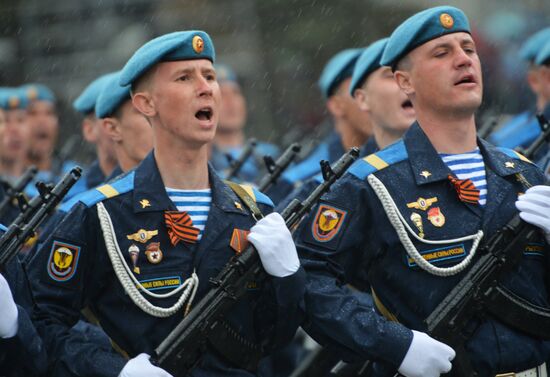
(93, 133)
(44, 130)
(131, 134)
(16, 135)
(230, 135)
(543, 62)
(523, 128)
(351, 125)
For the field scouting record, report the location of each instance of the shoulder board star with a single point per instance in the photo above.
(144, 203)
(509, 164)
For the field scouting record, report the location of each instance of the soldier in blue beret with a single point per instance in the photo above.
(16, 133)
(93, 133)
(389, 111)
(408, 220)
(21, 349)
(522, 129)
(166, 228)
(351, 125)
(44, 129)
(543, 62)
(230, 135)
(130, 132)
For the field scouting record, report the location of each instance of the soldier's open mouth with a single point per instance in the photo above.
(468, 79)
(407, 104)
(204, 113)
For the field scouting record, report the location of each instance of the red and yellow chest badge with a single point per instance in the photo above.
(328, 222)
(63, 261)
(239, 242)
(436, 217)
(154, 253)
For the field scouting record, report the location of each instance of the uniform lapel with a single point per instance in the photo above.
(426, 164)
(500, 169)
(220, 217)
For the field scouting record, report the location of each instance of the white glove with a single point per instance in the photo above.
(140, 366)
(274, 243)
(426, 357)
(534, 208)
(8, 311)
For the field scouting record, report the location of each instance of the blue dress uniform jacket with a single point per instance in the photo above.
(23, 354)
(137, 201)
(349, 236)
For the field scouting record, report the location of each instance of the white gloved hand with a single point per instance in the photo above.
(426, 357)
(534, 208)
(140, 366)
(275, 246)
(8, 311)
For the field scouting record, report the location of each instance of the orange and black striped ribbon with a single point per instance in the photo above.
(180, 227)
(465, 189)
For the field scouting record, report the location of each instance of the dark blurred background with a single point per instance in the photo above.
(277, 47)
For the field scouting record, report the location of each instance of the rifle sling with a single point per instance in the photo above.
(519, 313)
(247, 199)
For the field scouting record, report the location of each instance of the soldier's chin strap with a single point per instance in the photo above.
(129, 282)
(401, 227)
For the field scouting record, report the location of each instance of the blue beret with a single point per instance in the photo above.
(531, 47)
(180, 45)
(543, 57)
(338, 68)
(13, 98)
(85, 103)
(225, 73)
(368, 62)
(38, 92)
(421, 28)
(111, 96)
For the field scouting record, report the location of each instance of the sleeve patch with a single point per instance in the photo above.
(63, 261)
(328, 222)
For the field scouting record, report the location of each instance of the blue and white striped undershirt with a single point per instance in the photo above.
(469, 165)
(195, 202)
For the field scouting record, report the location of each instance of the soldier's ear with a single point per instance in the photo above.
(362, 99)
(111, 127)
(144, 103)
(403, 79)
(334, 106)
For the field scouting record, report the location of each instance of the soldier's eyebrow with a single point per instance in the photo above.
(181, 71)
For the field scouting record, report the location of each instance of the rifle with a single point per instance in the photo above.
(479, 292)
(182, 348)
(236, 165)
(12, 191)
(276, 168)
(33, 214)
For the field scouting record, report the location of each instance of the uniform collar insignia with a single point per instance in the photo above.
(144, 203)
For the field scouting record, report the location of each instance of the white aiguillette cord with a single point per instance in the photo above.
(401, 227)
(129, 282)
